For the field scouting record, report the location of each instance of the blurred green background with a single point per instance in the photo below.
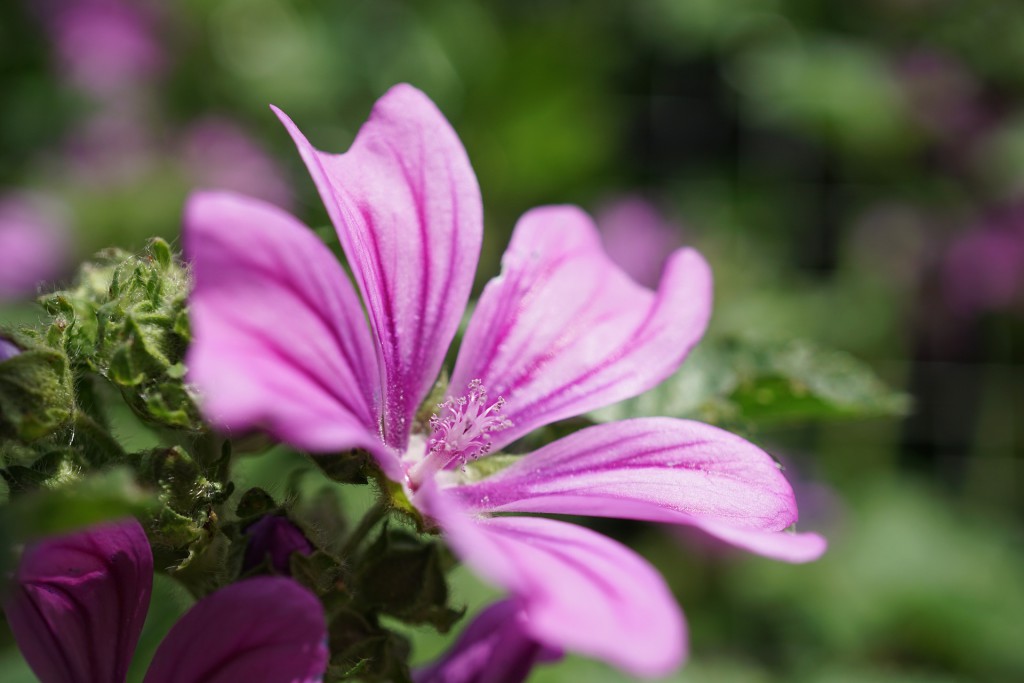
(853, 171)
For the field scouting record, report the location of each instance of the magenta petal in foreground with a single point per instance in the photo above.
(493, 648)
(78, 602)
(563, 330)
(279, 339)
(660, 470)
(407, 208)
(580, 591)
(656, 469)
(267, 629)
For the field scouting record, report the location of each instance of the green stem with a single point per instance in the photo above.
(366, 524)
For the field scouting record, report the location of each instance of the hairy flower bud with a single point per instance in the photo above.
(274, 538)
(36, 397)
(126, 320)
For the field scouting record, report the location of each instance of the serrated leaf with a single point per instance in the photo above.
(736, 382)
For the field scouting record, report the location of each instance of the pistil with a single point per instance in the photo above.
(460, 432)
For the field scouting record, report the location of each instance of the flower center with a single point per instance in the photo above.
(460, 431)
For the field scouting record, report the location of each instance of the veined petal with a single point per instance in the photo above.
(493, 648)
(580, 591)
(78, 602)
(267, 629)
(660, 470)
(279, 340)
(779, 545)
(407, 208)
(563, 330)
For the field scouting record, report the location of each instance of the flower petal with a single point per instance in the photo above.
(780, 545)
(78, 603)
(407, 208)
(580, 591)
(655, 469)
(279, 338)
(563, 330)
(267, 629)
(493, 648)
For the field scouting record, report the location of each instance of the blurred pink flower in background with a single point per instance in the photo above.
(983, 270)
(104, 46)
(219, 154)
(113, 146)
(943, 96)
(638, 237)
(33, 244)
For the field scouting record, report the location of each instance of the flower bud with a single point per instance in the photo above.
(36, 397)
(126, 319)
(274, 538)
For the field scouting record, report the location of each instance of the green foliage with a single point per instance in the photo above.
(837, 90)
(743, 383)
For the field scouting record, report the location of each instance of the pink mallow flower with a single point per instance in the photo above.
(281, 343)
(78, 602)
(983, 269)
(638, 237)
(33, 245)
(105, 46)
(218, 154)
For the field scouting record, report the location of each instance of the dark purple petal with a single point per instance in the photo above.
(563, 330)
(493, 648)
(407, 208)
(78, 602)
(279, 340)
(268, 629)
(274, 537)
(34, 240)
(580, 591)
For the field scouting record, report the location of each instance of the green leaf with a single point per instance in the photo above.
(736, 382)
